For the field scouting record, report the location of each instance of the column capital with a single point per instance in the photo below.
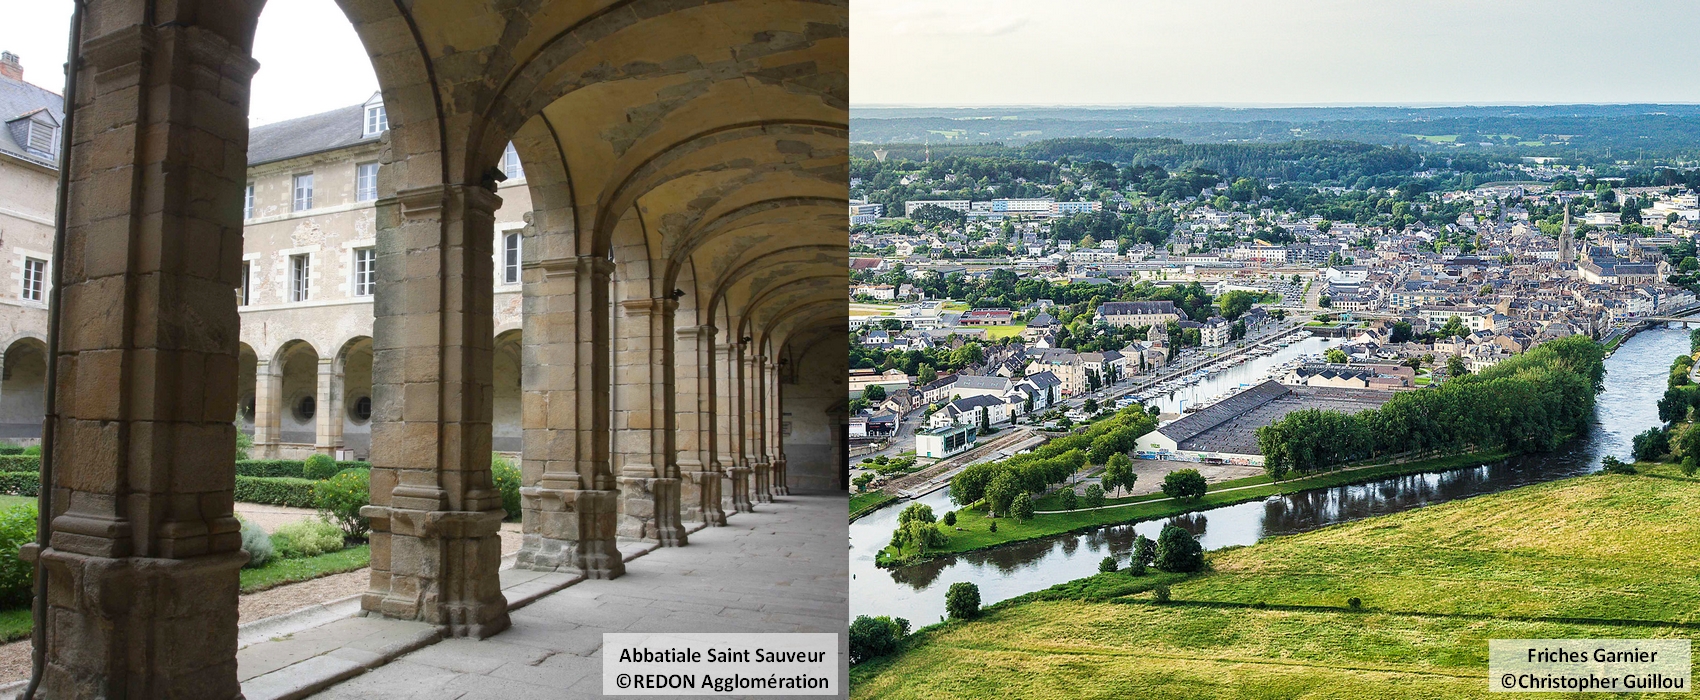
(695, 331)
(429, 201)
(575, 266)
(645, 307)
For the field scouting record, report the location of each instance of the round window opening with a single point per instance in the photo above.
(362, 409)
(305, 407)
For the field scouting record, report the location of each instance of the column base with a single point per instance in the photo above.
(422, 546)
(740, 477)
(649, 509)
(699, 500)
(141, 627)
(763, 490)
(571, 531)
(777, 478)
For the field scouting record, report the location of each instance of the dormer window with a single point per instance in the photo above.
(377, 122)
(42, 137)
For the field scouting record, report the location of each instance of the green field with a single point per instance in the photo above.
(973, 528)
(1447, 138)
(1592, 556)
(1001, 332)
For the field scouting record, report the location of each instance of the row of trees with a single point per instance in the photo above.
(1002, 481)
(1529, 403)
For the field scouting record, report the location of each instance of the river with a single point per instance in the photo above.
(1635, 379)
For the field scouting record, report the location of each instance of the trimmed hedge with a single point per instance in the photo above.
(20, 483)
(288, 468)
(20, 463)
(11, 450)
(276, 490)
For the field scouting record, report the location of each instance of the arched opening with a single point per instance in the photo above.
(506, 430)
(356, 377)
(298, 407)
(247, 380)
(22, 387)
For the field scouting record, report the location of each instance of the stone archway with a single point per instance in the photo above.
(23, 385)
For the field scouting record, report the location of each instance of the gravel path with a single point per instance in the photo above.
(15, 656)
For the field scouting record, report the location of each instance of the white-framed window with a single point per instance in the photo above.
(248, 201)
(300, 277)
(246, 288)
(303, 192)
(365, 271)
(510, 163)
(365, 182)
(35, 279)
(510, 258)
(377, 122)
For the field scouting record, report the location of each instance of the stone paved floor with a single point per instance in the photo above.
(783, 568)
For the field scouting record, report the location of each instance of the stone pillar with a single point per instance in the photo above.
(735, 494)
(644, 418)
(435, 512)
(144, 549)
(755, 388)
(744, 474)
(328, 419)
(569, 499)
(775, 442)
(699, 471)
(268, 409)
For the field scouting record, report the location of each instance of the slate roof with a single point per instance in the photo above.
(317, 133)
(974, 382)
(17, 99)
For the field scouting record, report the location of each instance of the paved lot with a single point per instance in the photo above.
(781, 569)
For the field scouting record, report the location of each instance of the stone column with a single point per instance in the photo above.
(775, 442)
(569, 499)
(755, 371)
(644, 417)
(435, 512)
(328, 418)
(144, 550)
(735, 492)
(744, 475)
(699, 471)
(268, 409)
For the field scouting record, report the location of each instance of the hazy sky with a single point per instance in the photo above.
(310, 59)
(1272, 52)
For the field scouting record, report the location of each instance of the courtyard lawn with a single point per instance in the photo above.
(7, 501)
(973, 528)
(1001, 332)
(1591, 556)
(278, 572)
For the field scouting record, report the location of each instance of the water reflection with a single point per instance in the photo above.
(1635, 379)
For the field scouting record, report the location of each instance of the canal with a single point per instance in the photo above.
(1635, 379)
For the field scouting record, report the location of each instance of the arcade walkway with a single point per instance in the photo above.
(779, 569)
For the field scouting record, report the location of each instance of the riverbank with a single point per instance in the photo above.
(864, 503)
(973, 529)
(1589, 556)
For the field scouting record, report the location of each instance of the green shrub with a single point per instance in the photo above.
(1070, 500)
(994, 526)
(307, 538)
(33, 450)
(1178, 551)
(20, 483)
(7, 448)
(1107, 566)
(950, 518)
(1613, 465)
(1160, 594)
(257, 544)
(1094, 496)
(341, 497)
(244, 442)
(1136, 566)
(277, 491)
(962, 601)
(1689, 466)
(319, 467)
(17, 577)
(1184, 485)
(351, 464)
(1355, 603)
(1022, 506)
(506, 477)
(20, 463)
(873, 637)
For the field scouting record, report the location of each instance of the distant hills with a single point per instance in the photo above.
(1647, 134)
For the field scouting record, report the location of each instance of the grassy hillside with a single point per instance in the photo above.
(1594, 556)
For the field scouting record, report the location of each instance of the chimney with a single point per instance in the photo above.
(10, 67)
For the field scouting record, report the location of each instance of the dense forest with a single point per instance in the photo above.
(1529, 403)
